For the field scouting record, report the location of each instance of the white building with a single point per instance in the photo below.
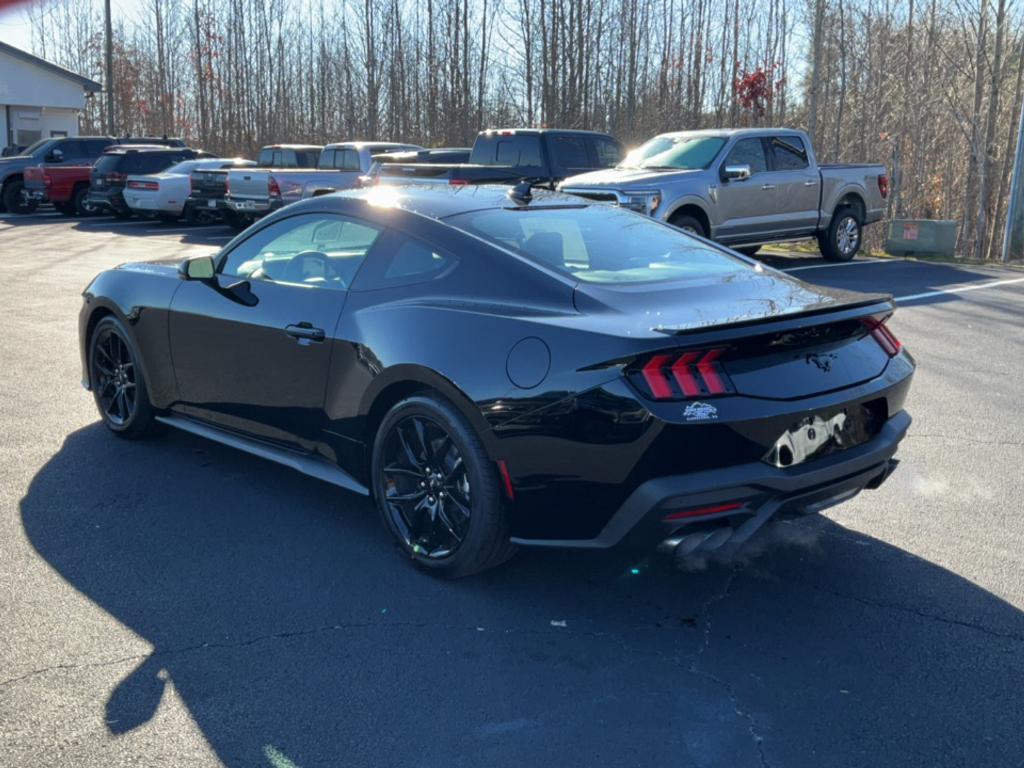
(38, 99)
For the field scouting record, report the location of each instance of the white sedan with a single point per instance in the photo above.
(163, 194)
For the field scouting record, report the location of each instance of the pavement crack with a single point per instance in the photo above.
(1015, 636)
(730, 690)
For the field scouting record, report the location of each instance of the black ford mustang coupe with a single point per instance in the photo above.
(498, 369)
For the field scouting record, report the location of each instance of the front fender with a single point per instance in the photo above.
(671, 205)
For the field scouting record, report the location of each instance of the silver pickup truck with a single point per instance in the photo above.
(743, 188)
(255, 192)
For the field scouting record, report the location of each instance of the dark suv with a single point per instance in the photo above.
(111, 171)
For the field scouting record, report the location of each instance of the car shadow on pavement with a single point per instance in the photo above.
(295, 634)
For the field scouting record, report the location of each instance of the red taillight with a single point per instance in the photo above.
(458, 182)
(880, 332)
(703, 511)
(153, 186)
(695, 373)
(883, 185)
(273, 187)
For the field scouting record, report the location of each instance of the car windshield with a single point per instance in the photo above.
(600, 244)
(40, 147)
(686, 153)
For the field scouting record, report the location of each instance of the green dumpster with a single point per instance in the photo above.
(921, 237)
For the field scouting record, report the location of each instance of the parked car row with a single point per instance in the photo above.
(739, 187)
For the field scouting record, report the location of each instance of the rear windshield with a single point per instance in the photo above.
(135, 162)
(513, 149)
(600, 244)
(686, 153)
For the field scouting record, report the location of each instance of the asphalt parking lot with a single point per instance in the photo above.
(173, 602)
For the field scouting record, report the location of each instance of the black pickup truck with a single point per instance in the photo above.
(543, 155)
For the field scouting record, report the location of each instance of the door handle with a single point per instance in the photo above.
(305, 331)
(810, 183)
(767, 187)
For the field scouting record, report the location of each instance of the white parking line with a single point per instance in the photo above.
(842, 264)
(960, 289)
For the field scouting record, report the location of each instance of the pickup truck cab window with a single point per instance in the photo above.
(748, 152)
(788, 153)
(316, 250)
(608, 152)
(571, 153)
(514, 149)
(685, 153)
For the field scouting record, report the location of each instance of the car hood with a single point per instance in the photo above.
(619, 177)
(749, 296)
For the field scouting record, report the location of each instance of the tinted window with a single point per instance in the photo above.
(94, 147)
(317, 250)
(570, 152)
(409, 262)
(306, 158)
(748, 152)
(72, 149)
(608, 152)
(340, 159)
(788, 153)
(266, 157)
(683, 152)
(599, 244)
(507, 150)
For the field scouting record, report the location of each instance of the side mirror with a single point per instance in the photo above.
(736, 173)
(196, 268)
(55, 156)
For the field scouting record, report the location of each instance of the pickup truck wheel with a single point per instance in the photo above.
(688, 224)
(79, 201)
(237, 221)
(13, 199)
(841, 240)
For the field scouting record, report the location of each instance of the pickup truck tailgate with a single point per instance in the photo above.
(248, 184)
(210, 183)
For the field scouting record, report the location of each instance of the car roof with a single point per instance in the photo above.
(439, 201)
(726, 133)
(371, 145)
(133, 149)
(292, 146)
(538, 131)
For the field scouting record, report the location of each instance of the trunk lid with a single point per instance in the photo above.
(772, 336)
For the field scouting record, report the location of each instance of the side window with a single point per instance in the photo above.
(748, 152)
(609, 153)
(349, 160)
(788, 153)
(95, 147)
(404, 260)
(570, 152)
(327, 159)
(318, 250)
(73, 149)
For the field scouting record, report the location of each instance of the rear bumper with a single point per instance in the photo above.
(36, 195)
(253, 207)
(764, 492)
(112, 199)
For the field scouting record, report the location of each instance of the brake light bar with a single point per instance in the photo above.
(686, 374)
(273, 188)
(151, 185)
(880, 332)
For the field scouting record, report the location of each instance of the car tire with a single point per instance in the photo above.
(117, 383)
(437, 490)
(13, 200)
(748, 250)
(688, 224)
(79, 200)
(168, 218)
(842, 238)
(201, 216)
(237, 221)
(119, 214)
(65, 209)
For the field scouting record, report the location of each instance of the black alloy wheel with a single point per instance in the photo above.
(117, 383)
(426, 487)
(437, 490)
